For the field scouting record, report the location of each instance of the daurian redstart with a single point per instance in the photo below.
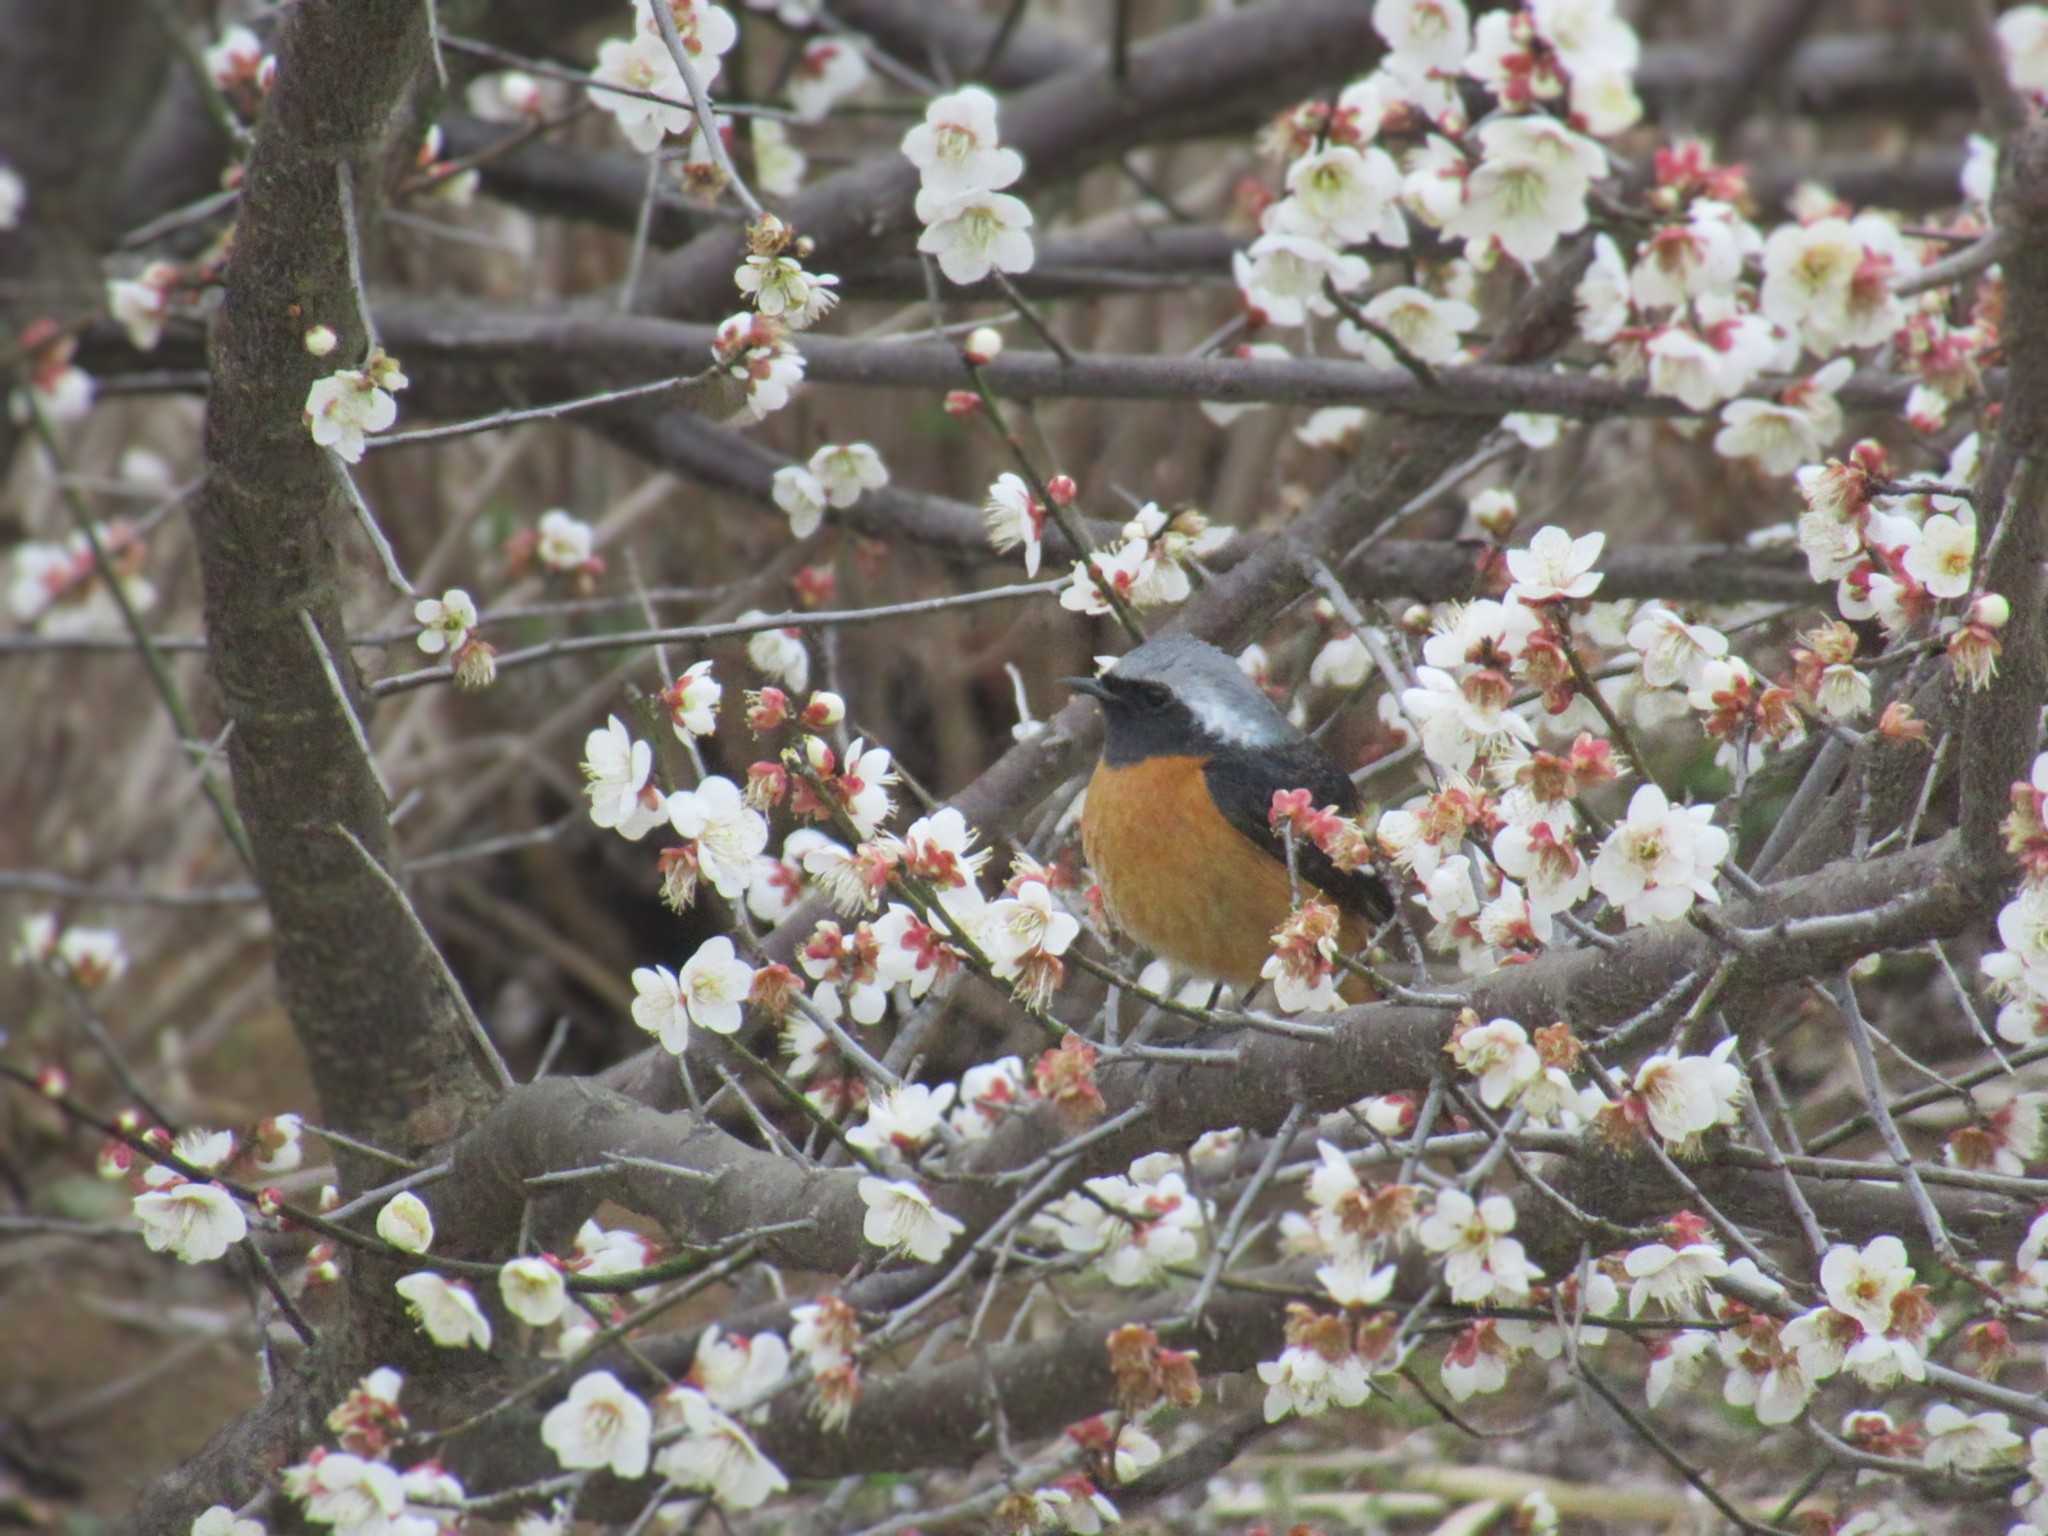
(1176, 822)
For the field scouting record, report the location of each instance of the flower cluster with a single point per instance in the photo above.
(642, 65)
(971, 226)
(1147, 568)
(836, 476)
(2018, 971)
(1133, 1225)
(351, 402)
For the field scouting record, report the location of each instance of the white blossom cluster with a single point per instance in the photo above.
(971, 226)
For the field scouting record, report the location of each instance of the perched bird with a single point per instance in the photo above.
(1176, 822)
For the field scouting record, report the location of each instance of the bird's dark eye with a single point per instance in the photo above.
(1152, 697)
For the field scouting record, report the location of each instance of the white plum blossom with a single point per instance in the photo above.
(1428, 326)
(1676, 1359)
(1456, 727)
(219, 1520)
(974, 233)
(828, 70)
(1424, 35)
(1686, 1096)
(1556, 566)
(715, 1455)
(1307, 1382)
(1586, 35)
(778, 164)
(1499, 1054)
(755, 351)
(1343, 662)
(660, 1008)
(1352, 1282)
(903, 1118)
(445, 621)
(405, 1223)
(446, 1309)
(1477, 1363)
(693, 704)
(779, 653)
(1795, 429)
(714, 982)
(141, 306)
(351, 1494)
(1344, 196)
(616, 770)
(737, 1372)
(847, 469)
(344, 406)
(1689, 368)
(1662, 858)
(193, 1222)
(2023, 34)
(1862, 1283)
(564, 543)
(1013, 517)
(800, 495)
(533, 1290)
(727, 833)
(955, 148)
(1543, 857)
(1480, 1260)
(1682, 262)
(1825, 281)
(1966, 1442)
(641, 63)
(1941, 557)
(1529, 189)
(1673, 652)
(902, 1219)
(987, 1093)
(1282, 275)
(781, 289)
(1674, 1278)
(600, 1424)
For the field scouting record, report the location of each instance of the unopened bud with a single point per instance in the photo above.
(962, 402)
(984, 345)
(824, 710)
(818, 755)
(53, 1082)
(1416, 619)
(1496, 511)
(1061, 490)
(1991, 610)
(321, 340)
(270, 1202)
(330, 1199)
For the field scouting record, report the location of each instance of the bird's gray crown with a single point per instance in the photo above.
(1225, 703)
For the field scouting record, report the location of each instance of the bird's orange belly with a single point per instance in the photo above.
(1176, 876)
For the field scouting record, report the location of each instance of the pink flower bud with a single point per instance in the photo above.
(1062, 490)
(962, 402)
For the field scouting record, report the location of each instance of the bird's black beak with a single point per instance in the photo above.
(1094, 687)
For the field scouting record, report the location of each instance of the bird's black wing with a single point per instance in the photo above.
(1242, 782)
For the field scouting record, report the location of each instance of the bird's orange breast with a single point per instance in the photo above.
(1178, 877)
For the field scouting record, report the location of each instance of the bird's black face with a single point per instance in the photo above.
(1143, 718)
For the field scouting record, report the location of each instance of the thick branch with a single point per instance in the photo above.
(556, 355)
(2002, 723)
